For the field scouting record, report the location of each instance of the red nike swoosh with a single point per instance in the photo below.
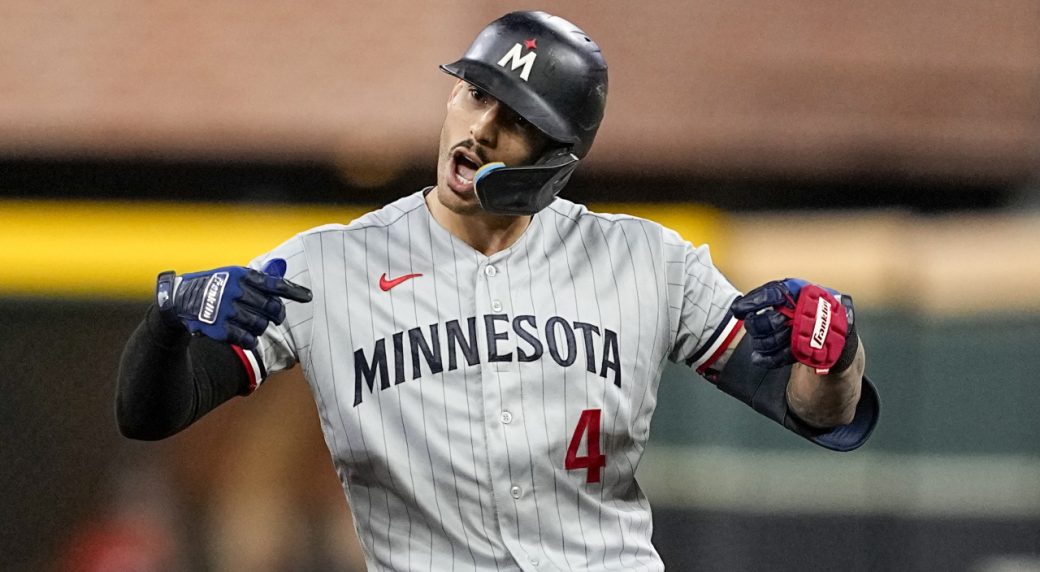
(386, 285)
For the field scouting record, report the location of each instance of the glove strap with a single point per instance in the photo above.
(848, 353)
(165, 294)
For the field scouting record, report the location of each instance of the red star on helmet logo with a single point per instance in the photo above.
(530, 44)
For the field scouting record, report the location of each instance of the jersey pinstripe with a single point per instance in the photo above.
(489, 413)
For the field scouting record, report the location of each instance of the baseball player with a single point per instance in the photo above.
(485, 356)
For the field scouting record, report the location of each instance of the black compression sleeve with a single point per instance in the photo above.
(168, 379)
(765, 390)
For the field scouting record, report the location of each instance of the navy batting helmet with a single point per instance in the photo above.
(553, 75)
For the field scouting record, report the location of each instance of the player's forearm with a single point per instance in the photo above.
(151, 397)
(825, 401)
(167, 380)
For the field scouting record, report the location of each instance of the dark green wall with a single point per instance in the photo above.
(947, 385)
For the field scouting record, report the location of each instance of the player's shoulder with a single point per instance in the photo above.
(390, 214)
(609, 222)
(385, 216)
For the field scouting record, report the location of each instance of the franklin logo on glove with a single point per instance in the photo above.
(214, 291)
(823, 324)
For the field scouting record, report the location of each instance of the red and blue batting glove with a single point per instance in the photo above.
(231, 304)
(793, 320)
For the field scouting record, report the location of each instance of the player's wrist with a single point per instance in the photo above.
(165, 298)
(849, 352)
(164, 332)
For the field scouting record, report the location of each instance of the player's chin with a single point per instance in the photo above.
(459, 200)
(459, 205)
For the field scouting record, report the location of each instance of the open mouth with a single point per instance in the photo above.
(463, 169)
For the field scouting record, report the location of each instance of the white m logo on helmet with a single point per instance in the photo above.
(516, 60)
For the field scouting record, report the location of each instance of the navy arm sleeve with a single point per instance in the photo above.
(168, 379)
(765, 390)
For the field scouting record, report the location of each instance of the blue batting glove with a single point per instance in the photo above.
(231, 304)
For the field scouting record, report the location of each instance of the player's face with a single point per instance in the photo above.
(478, 129)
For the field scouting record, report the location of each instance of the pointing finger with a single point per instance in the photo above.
(289, 290)
(278, 286)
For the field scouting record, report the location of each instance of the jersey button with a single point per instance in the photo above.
(534, 561)
(516, 492)
(496, 306)
(490, 270)
(507, 417)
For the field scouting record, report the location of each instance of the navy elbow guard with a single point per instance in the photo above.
(765, 390)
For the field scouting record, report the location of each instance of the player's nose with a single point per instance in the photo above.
(485, 126)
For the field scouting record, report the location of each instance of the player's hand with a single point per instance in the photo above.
(793, 320)
(231, 304)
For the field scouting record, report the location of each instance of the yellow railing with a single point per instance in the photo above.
(952, 264)
(115, 249)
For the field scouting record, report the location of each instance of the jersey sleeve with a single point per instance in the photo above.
(699, 300)
(280, 346)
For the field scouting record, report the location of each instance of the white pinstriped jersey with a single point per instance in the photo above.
(489, 413)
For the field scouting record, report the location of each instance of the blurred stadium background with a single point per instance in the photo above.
(889, 149)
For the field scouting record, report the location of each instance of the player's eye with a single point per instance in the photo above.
(477, 95)
(515, 119)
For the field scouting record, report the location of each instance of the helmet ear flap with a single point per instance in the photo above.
(524, 190)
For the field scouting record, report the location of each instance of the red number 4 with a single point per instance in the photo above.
(593, 460)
